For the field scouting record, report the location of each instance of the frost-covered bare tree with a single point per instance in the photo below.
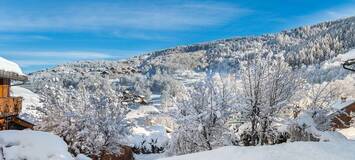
(268, 83)
(322, 96)
(168, 87)
(316, 99)
(202, 116)
(88, 114)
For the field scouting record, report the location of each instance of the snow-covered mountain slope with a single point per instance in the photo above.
(304, 45)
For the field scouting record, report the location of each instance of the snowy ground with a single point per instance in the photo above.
(146, 130)
(32, 145)
(344, 150)
(148, 156)
(334, 147)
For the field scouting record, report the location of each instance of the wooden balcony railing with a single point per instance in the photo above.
(10, 106)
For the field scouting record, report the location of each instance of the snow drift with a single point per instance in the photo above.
(291, 151)
(32, 145)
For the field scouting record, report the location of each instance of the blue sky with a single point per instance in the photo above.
(39, 34)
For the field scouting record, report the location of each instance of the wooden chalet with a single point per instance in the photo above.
(343, 117)
(10, 107)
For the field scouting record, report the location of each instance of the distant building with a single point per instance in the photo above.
(344, 115)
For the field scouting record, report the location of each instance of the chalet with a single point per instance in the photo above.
(344, 114)
(10, 107)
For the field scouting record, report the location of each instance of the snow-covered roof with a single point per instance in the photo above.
(9, 69)
(10, 66)
(341, 104)
(348, 55)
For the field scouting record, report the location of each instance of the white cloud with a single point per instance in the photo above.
(140, 35)
(96, 16)
(60, 54)
(18, 37)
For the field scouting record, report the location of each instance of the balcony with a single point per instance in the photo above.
(10, 106)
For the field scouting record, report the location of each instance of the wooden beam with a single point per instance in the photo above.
(13, 76)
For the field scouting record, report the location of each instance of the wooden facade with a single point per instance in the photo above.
(125, 153)
(4, 87)
(342, 118)
(10, 107)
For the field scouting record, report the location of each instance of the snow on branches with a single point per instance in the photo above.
(268, 83)
(202, 116)
(88, 114)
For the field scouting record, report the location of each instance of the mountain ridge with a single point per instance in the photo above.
(305, 45)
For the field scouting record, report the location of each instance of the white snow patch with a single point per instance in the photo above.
(30, 100)
(338, 60)
(33, 145)
(9, 66)
(142, 111)
(82, 157)
(348, 55)
(148, 156)
(339, 104)
(148, 134)
(348, 133)
(291, 151)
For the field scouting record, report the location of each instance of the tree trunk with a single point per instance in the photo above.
(208, 144)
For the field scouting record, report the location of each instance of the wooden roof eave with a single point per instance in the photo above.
(23, 123)
(13, 76)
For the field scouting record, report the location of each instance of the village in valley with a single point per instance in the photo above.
(20, 133)
(285, 95)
